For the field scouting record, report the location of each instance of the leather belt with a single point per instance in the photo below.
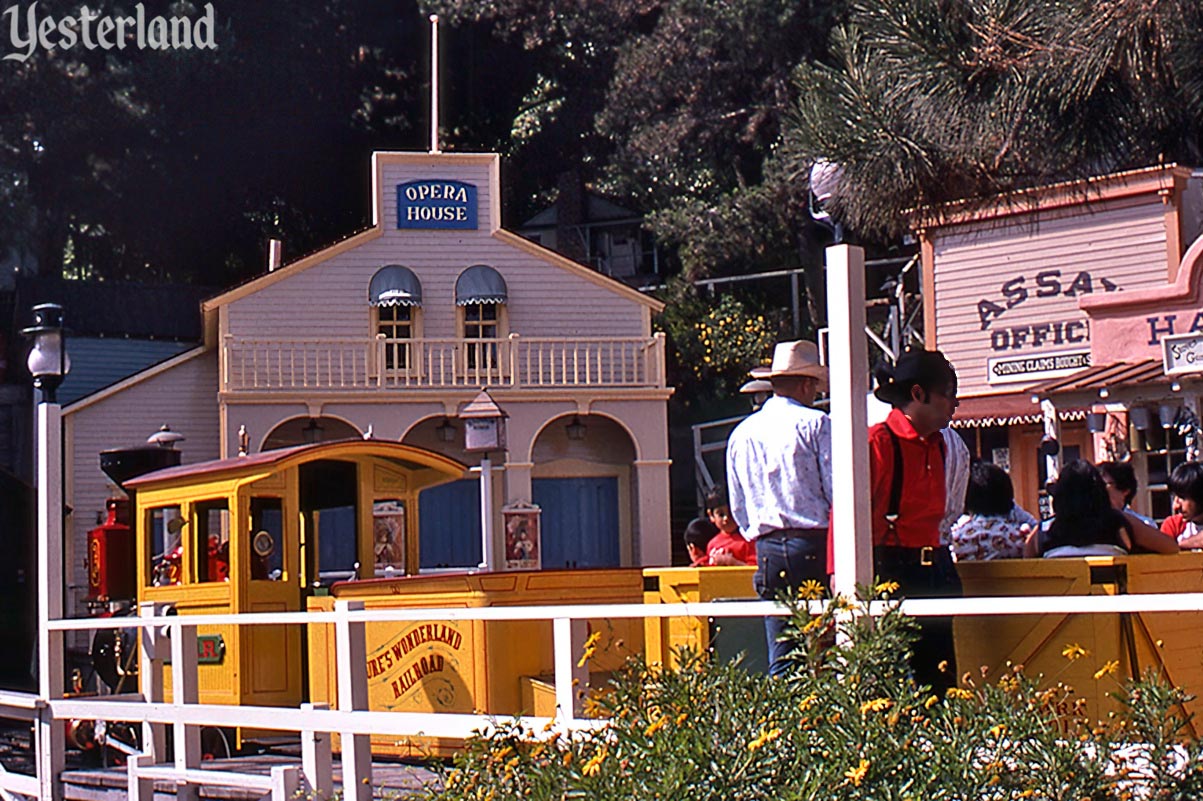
(924, 557)
(786, 533)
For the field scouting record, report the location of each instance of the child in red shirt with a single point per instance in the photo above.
(1186, 486)
(728, 547)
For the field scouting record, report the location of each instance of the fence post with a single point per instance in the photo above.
(659, 380)
(139, 787)
(184, 690)
(572, 674)
(315, 757)
(285, 782)
(514, 339)
(50, 757)
(381, 360)
(849, 365)
(350, 646)
(150, 669)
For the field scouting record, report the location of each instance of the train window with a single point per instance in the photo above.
(388, 537)
(329, 520)
(337, 555)
(165, 547)
(212, 531)
(267, 539)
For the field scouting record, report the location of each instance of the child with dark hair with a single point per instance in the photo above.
(1186, 485)
(698, 534)
(993, 527)
(1084, 522)
(1120, 479)
(728, 547)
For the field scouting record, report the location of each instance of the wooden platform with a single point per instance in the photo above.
(391, 779)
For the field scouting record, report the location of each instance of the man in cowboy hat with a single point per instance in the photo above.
(779, 482)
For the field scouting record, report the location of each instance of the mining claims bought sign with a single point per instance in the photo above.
(436, 204)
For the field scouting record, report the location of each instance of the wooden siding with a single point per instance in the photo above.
(1123, 241)
(185, 397)
(331, 299)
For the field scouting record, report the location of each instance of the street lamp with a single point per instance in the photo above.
(484, 431)
(48, 364)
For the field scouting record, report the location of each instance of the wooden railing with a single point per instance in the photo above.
(382, 363)
(162, 634)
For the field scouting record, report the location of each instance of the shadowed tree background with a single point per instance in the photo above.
(704, 115)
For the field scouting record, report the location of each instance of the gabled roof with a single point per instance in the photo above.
(99, 362)
(211, 306)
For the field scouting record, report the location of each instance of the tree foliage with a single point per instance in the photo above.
(928, 101)
(713, 344)
(179, 164)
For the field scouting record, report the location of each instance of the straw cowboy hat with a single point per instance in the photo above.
(798, 358)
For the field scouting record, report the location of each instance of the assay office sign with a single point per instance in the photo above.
(437, 204)
(1038, 347)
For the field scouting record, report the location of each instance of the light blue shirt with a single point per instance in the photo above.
(779, 468)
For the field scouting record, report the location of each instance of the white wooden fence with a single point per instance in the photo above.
(162, 633)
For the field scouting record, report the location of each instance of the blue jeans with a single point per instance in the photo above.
(784, 561)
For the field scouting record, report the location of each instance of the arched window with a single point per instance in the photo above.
(480, 295)
(395, 295)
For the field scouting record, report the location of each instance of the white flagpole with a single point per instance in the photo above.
(434, 83)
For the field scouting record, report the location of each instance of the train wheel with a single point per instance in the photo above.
(215, 743)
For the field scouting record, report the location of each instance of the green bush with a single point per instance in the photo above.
(847, 723)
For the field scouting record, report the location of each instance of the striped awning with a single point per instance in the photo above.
(395, 285)
(1007, 409)
(480, 283)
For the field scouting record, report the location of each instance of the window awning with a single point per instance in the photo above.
(395, 285)
(1009, 409)
(480, 283)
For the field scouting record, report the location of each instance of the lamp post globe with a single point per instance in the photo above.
(48, 362)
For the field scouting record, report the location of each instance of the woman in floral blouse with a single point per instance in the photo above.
(993, 527)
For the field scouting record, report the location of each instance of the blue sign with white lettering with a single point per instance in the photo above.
(436, 204)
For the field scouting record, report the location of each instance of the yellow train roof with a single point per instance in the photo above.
(408, 456)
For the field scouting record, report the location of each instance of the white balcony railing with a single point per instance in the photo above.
(381, 363)
(298, 363)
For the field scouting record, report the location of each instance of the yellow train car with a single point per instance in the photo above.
(499, 667)
(263, 533)
(298, 528)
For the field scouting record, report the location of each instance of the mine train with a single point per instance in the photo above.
(297, 528)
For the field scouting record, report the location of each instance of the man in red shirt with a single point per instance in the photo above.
(906, 458)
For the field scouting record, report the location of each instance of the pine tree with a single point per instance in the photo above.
(927, 101)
